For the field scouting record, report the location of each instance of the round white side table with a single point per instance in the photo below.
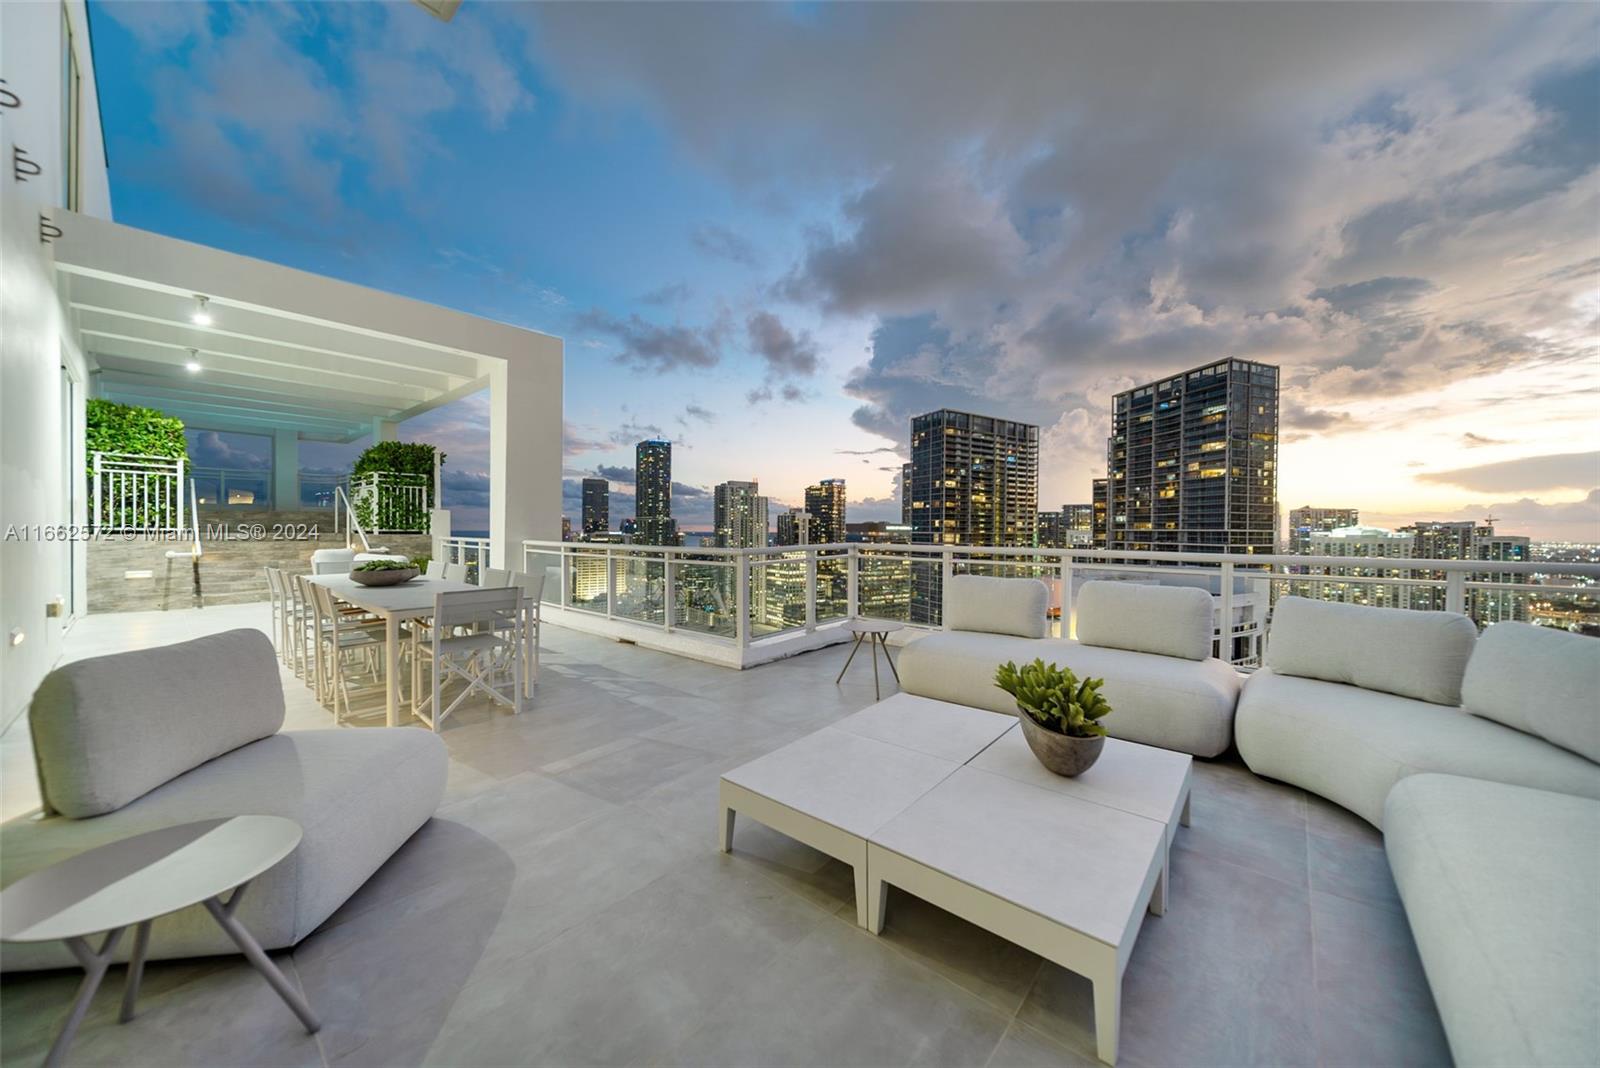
(131, 883)
(875, 632)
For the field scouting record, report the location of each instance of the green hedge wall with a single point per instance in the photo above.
(113, 427)
(396, 512)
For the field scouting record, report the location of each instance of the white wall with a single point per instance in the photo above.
(33, 345)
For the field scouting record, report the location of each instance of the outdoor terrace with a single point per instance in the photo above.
(568, 905)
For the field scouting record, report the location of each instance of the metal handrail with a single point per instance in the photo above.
(351, 522)
(196, 546)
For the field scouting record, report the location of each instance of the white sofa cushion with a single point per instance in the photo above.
(1157, 700)
(357, 794)
(1413, 654)
(1499, 885)
(1143, 618)
(112, 728)
(1540, 680)
(1352, 745)
(997, 605)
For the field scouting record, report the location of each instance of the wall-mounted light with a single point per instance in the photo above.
(201, 316)
(192, 364)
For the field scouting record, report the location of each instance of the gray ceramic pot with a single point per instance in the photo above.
(389, 577)
(1061, 753)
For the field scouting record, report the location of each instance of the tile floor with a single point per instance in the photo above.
(568, 907)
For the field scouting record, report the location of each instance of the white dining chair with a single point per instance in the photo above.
(339, 634)
(280, 597)
(435, 569)
(493, 578)
(532, 586)
(490, 643)
(455, 572)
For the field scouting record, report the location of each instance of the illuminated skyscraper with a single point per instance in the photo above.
(653, 485)
(740, 516)
(1306, 521)
(793, 528)
(825, 504)
(596, 505)
(1192, 462)
(974, 481)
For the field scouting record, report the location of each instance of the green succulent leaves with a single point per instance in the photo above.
(1054, 697)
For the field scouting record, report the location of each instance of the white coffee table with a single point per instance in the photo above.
(947, 802)
(131, 883)
(833, 788)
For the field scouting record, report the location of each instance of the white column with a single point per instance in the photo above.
(385, 430)
(285, 469)
(524, 455)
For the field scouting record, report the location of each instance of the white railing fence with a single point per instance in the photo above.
(393, 502)
(473, 552)
(353, 528)
(743, 598)
(131, 492)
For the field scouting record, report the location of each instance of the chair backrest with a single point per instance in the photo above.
(496, 608)
(109, 729)
(1145, 618)
(1397, 650)
(435, 569)
(274, 585)
(997, 605)
(455, 572)
(491, 578)
(530, 582)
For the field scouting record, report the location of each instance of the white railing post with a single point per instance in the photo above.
(566, 577)
(1455, 591)
(669, 578)
(178, 492)
(741, 600)
(98, 504)
(611, 585)
(811, 589)
(852, 582)
(1066, 595)
(1225, 609)
(947, 571)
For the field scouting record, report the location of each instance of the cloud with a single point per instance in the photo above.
(1477, 441)
(784, 352)
(1573, 470)
(866, 452)
(675, 293)
(616, 474)
(654, 347)
(1560, 521)
(723, 243)
(465, 489)
(683, 489)
(696, 412)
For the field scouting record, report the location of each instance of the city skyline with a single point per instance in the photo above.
(1407, 230)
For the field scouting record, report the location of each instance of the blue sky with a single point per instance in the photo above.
(773, 233)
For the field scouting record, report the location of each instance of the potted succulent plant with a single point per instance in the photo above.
(384, 572)
(1060, 715)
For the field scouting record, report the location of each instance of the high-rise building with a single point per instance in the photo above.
(905, 495)
(1100, 491)
(739, 516)
(974, 481)
(1192, 461)
(1079, 517)
(1306, 521)
(794, 528)
(825, 505)
(1500, 605)
(1056, 531)
(1440, 541)
(1357, 541)
(566, 528)
(653, 486)
(596, 506)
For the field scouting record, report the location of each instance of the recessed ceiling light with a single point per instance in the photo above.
(201, 316)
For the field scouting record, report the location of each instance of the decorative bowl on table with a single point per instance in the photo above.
(384, 572)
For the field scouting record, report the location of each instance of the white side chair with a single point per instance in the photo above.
(280, 599)
(532, 587)
(493, 578)
(338, 635)
(455, 572)
(491, 643)
(435, 569)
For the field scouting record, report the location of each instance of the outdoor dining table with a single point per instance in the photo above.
(408, 600)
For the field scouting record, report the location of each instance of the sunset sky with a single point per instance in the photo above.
(773, 233)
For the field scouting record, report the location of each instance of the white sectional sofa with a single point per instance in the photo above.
(1479, 758)
(1353, 699)
(142, 740)
(1151, 644)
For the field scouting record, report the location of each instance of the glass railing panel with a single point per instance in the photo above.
(883, 587)
(704, 597)
(777, 593)
(586, 581)
(641, 593)
(833, 586)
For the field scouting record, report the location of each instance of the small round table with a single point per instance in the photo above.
(876, 633)
(132, 882)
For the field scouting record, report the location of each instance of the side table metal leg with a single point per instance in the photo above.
(885, 642)
(877, 694)
(94, 970)
(130, 986)
(247, 944)
(851, 657)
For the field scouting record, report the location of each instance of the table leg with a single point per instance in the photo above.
(725, 829)
(94, 970)
(884, 638)
(1107, 1016)
(848, 659)
(130, 986)
(1183, 817)
(877, 899)
(391, 669)
(223, 914)
(877, 694)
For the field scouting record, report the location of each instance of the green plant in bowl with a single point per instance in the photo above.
(1060, 714)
